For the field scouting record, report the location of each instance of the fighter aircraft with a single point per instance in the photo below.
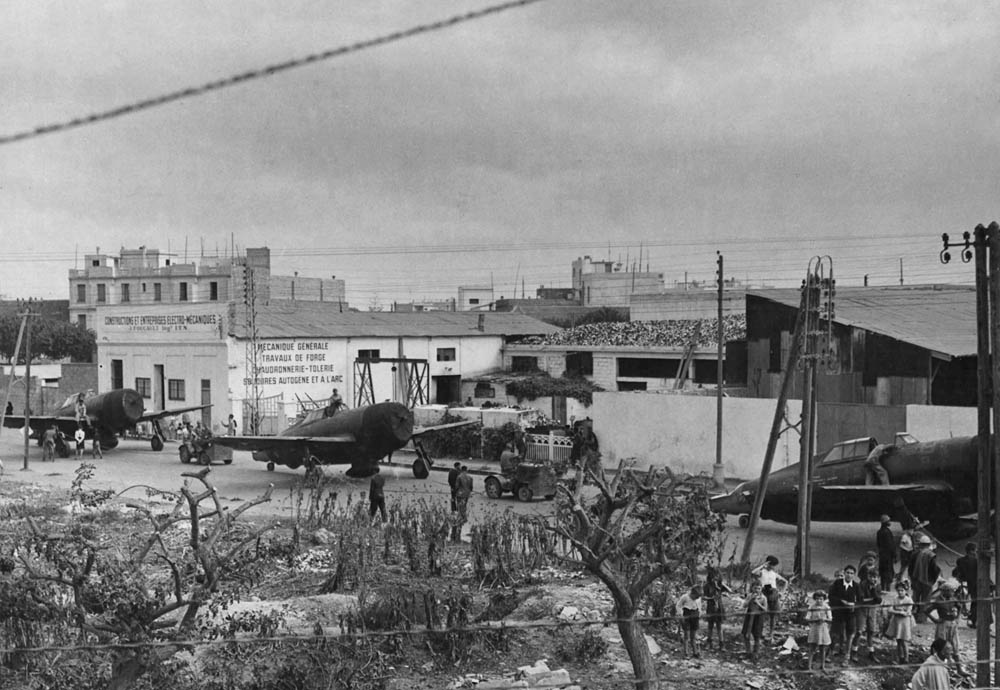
(108, 415)
(934, 481)
(359, 437)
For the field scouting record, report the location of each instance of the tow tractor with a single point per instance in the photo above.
(204, 451)
(523, 479)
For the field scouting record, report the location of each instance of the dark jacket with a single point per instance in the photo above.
(453, 477)
(463, 485)
(886, 542)
(841, 596)
(377, 487)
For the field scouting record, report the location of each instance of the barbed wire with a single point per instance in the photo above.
(268, 71)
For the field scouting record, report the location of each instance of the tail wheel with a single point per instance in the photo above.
(185, 455)
(156, 443)
(744, 521)
(204, 458)
(420, 470)
(270, 467)
(524, 493)
(493, 488)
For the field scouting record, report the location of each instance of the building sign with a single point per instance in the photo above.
(161, 323)
(295, 363)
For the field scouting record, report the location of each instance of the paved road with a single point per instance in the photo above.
(134, 463)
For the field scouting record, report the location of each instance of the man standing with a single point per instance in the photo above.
(49, 444)
(933, 673)
(843, 597)
(924, 573)
(230, 426)
(967, 572)
(463, 489)
(81, 442)
(95, 448)
(452, 483)
(886, 543)
(376, 495)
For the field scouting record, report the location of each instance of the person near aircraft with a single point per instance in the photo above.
(463, 490)
(81, 441)
(843, 598)
(885, 542)
(335, 405)
(873, 463)
(967, 572)
(944, 611)
(818, 616)
(376, 495)
(933, 673)
(754, 609)
(452, 484)
(715, 605)
(866, 613)
(49, 444)
(81, 410)
(230, 425)
(924, 572)
(901, 622)
(95, 448)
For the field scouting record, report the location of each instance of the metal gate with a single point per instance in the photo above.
(550, 448)
(270, 413)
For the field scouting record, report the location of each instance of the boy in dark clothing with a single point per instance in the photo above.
(452, 484)
(865, 616)
(885, 542)
(967, 572)
(843, 597)
(376, 495)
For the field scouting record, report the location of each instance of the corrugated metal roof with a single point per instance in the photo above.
(320, 320)
(940, 318)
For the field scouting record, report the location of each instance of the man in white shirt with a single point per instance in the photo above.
(81, 442)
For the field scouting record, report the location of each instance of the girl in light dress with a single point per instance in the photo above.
(818, 616)
(901, 625)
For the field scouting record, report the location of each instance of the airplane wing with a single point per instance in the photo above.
(39, 423)
(870, 490)
(283, 443)
(150, 416)
(418, 430)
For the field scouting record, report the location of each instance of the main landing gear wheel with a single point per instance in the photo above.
(493, 489)
(420, 470)
(524, 493)
(204, 458)
(270, 467)
(156, 443)
(744, 521)
(185, 455)
(228, 460)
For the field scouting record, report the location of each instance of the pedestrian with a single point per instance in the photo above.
(172, 429)
(866, 612)
(769, 577)
(452, 477)
(463, 490)
(905, 551)
(885, 543)
(81, 440)
(754, 609)
(689, 609)
(715, 607)
(95, 448)
(944, 610)
(933, 673)
(49, 444)
(230, 426)
(81, 410)
(843, 598)
(818, 616)
(967, 572)
(901, 622)
(376, 495)
(924, 572)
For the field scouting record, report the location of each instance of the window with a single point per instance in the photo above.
(126, 293)
(473, 300)
(102, 292)
(157, 292)
(144, 386)
(175, 389)
(95, 262)
(184, 292)
(213, 291)
(81, 293)
(485, 390)
(637, 367)
(81, 321)
(523, 363)
(369, 354)
(580, 363)
(446, 354)
(631, 385)
(143, 287)
(117, 373)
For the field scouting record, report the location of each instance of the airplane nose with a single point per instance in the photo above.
(132, 405)
(732, 503)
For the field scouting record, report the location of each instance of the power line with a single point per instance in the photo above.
(263, 72)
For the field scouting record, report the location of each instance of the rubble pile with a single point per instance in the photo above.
(677, 333)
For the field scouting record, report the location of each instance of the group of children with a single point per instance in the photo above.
(845, 616)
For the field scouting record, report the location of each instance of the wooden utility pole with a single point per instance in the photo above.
(718, 470)
(27, 381)
(992, 236)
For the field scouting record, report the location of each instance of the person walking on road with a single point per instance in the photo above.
(452, 479)
(376, 495)
(885, 542)
(463, 490)
(81, 442)
(95, 448)
(49, 444)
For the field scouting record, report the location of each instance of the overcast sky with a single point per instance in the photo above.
(501, 149)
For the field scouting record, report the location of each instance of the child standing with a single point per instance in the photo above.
(689, 609)
(95, 448)
(754, 609)
(769, 579)
(715, 607)
(944, 612)
(901, 624)
(818, 616)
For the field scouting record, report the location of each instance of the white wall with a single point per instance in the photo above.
(678, 432)
(930, 423)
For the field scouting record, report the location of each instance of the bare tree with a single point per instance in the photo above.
(639, 528)
(119, 598)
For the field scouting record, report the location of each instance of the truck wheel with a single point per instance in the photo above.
(204, 458)
(156, 443)
(524, 493)
(493, 488)
(185, 455)
(420, 469)
(744, 521)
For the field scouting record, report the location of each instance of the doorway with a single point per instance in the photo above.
(447, 389)
(158, 402)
